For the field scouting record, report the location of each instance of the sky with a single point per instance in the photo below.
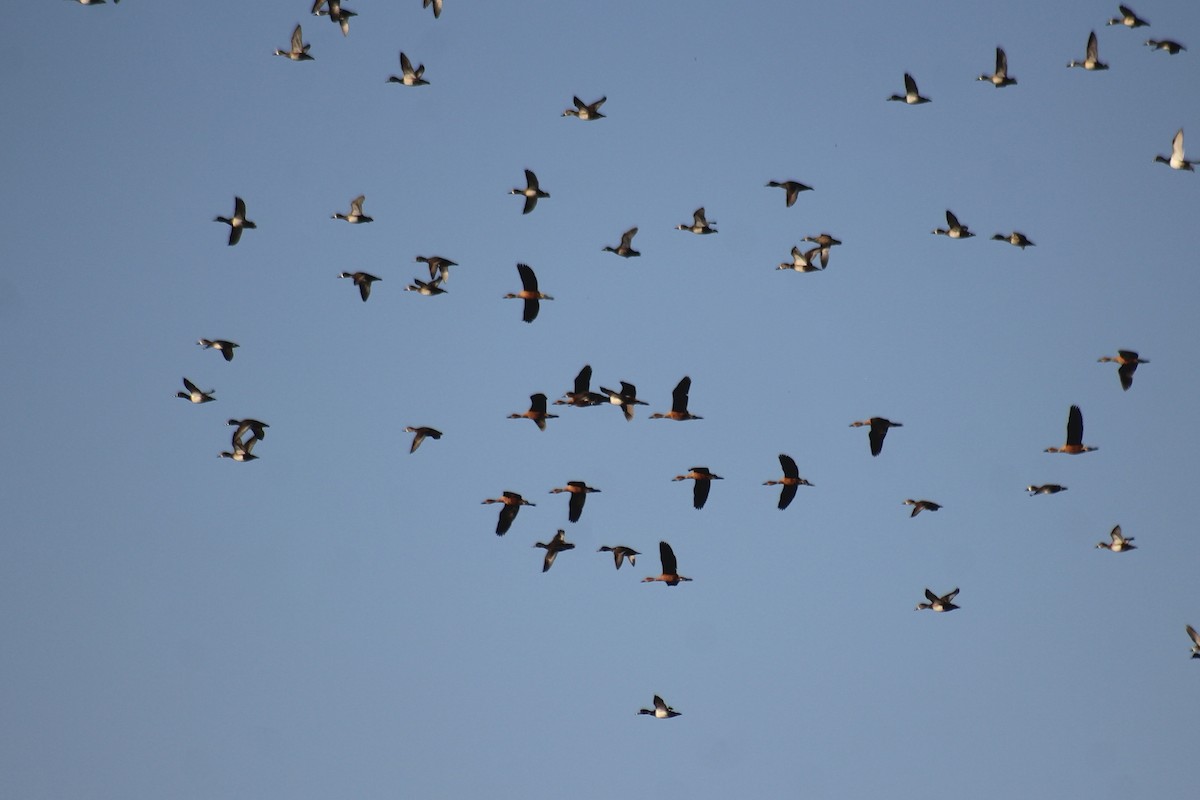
(338, 618)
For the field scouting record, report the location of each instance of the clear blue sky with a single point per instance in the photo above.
(337, 619)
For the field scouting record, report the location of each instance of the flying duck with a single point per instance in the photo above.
(222, 346)
(679, 402)
(703, 482)
(793, 189)
(554, 547)
(356, 214)
(955, 229)
(512, 503)
(804, 261)
(531, 191)
(910, 96)
(363, 281)
(255, 428)
(437, 7)
(299, 50)
(879, 429)
(585, 111)
(670, 572)
(439, 268)
(529, 293)
(699, 224)
(409, 76)
(424, 289)
(238, 222)
(620, 553)
(579, 492)
(791, 481)
(1092, 59)
(1170, 46)
(661, 710)
(419, 435)
(1195, 637)
(625, 248)
(337, 15)
(1176, 161)
(1074, 443)
(1045, 488)
(536, 412)
(626, 399)
(1128, 18)
(943, 603)
(1016, 239)
(1128, 361)
(1000, 78)
(921, 505)
(195, 394)
(240, 451)
(1117, 543)
(582, 396)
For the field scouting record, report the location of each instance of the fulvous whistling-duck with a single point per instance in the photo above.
(554, 547)
(703, 482)
(299, 50)
(222, 346)
(409, 76)
(194, 393)
(1074, 443)
(921, 505)
(1195, 637)
(1092, 60)
(1016, 239)
(626, 399)
(879, 429)
(356, 215)
(439, 268)
(805, 261)
(1129, 361)
(437, 7)
(531, 192)
(536, 412)
(679, 402)
(419, 434)
(910, 96)
(625, 248)
(660, 711)
(670, 571)
(999, 78)
(1177, 160)
(238, 222)
(583, 395)
(699, 223)
(585, 111)
(430, 289)
(954, 229)
(1118, 543)
(790, 481)
(1128, 19)
(363, 281)
(512, 504)
(793, 189)
(255, 428)
(620, 553)
(529, 293)
(579, 492)
(936, 603)
(1170, 46)
(1045, 488)
(337, 15)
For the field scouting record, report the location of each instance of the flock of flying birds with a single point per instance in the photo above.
(248, 432)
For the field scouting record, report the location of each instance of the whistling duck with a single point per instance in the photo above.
(670, 572)
(419, 433)
(430, 289)
(910, 96)
(238, 222)
(1117, 543)
(1195, 637)
(921, 505)
(194, 393)
(437, 7)
(255, 428)
(936, 603)
(703, 482)
(879, 429)
(554, 547)
(1177, 161)
(1129, 361)
(356, 215)
(583, 395)
(579, 492)
(512, 504)
(529, 293)
(536, 412)
(679, 401)
(955, 230)
(240, 451)
(1045, 488)
(363, 281)
(1074, 443)
(439, 268)
(700, 224)
(999, 78)
(409, 76)
(1128, 19)
(299, 50)
(626, 399)
(1016, 239)
(531, 192)
(790, 481)
(620, 553)
(585, 111)
(1092, 58)
(793, 189)
(803, 261)
(222, 346)
(625, 248)
(660, 711)
(1170, 46)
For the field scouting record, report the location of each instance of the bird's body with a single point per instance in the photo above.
(999, 78)
(363, 281)
(911, 96)
(921, 505)
(1195, 637)
(620, 553)
(626, 399)
(511, 502)
(585, 111)
(439, 268)
(625, 248)
(425, 289)
(879, 428)
(1128, 19)
(238, 222)
(1177, 160)
(1118, 542)
(536, 412)
(670, 571)
(582, 395)
(579, 492)
(222, 346)
(298, 51)
(1171, 47)
(700, 223)
(1091, 61)
(791, 481)
(1045, 488)
(254, 427)
(938, 603)
(679, 402)
(1016, 239)
(703, 478)
(409, 76)
(195, 394)
(356, 215)
(553, 547)
(954, 229)
(805, 260)
(1128, 361)
(531, 192)
(792, 189)
(529, 293)
(1074, 444)
(660, 711)
(420, 433)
